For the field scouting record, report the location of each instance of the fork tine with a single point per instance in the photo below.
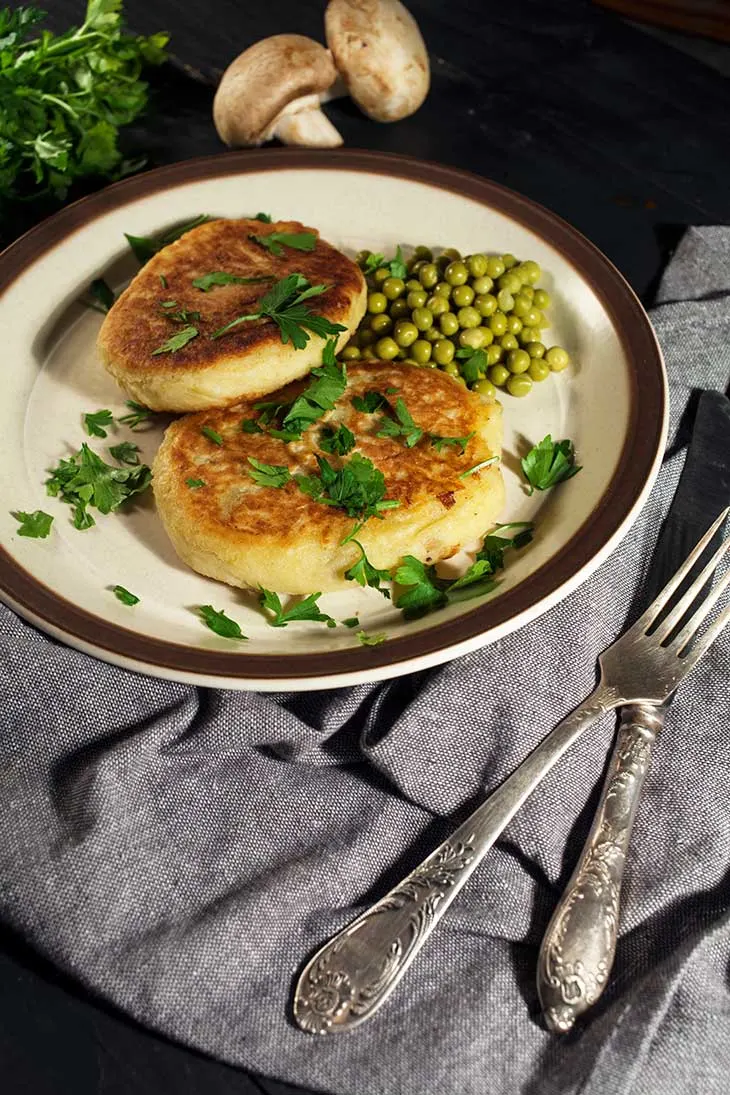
(690, 628)
(686, 601)
(647, 619)
(706, 640)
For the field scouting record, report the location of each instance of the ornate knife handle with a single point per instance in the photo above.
(579, 945)
(355, 972)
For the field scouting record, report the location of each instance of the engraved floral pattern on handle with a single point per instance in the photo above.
(579, 946)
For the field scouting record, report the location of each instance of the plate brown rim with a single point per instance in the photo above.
(648, 398)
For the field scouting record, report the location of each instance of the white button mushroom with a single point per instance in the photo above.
(380, 54)
(274, 89)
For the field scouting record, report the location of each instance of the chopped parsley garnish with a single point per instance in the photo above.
(250, 425)
(96, 423)
(275, 242)
(220, 277)
(268, 475)
(400, 426)
(183, 315)
(473, 364)
(370, 402)
(338, 442)
(100, 292)
(138, 414)
(284, 304)
(352, 621)
(306, 609)
(177, 341)
(194, 484)
(211, 434)
(265, 218)
(365, 574)
(440, 443)
(478, 467)
(36, 524)
(424, 591)
(125, 596)
(357, 487)
(549, 463)
(163, 280)
(371, 640)
(86, 480)
(125, 452)
(144, 247)
(396, 267)
(220, 623)
(319, 397)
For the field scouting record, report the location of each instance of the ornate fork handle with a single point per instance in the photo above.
(355, 972)
(579, 945)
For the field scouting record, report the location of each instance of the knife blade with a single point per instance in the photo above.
(578, 948)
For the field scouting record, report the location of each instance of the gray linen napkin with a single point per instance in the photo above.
(181, 851)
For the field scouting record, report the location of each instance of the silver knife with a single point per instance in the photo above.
(578, 948)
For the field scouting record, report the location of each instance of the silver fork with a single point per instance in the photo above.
(355, 972)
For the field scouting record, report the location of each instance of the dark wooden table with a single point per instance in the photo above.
(622, 133)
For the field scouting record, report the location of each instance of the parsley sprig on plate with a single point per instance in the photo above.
(306, 609)
(84, 480)
(548, 463)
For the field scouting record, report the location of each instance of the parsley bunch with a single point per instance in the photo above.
(358, 488)
(64, 97)
(84, 480)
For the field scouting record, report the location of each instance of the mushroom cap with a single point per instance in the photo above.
(380, 54)
(263, 80)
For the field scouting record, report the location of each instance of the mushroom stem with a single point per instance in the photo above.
(310, 128)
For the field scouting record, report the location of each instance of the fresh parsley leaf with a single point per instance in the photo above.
(82, 519)
(439, 443)
(371, 640)
(478, 467)
(220, 623)
(373, 262)
(211, 434)
(96, 421)
(100, 292)
(194, 484)
(250, 425)
(397, 266)
(86, 480)
(275, 242)
(183, 315)
(320, 396)
(144, 247)
(36, 524)
(370, 402)
(357, 487)
(268, 475)
(338, 442)
(138, 414)
(125, 452)
(548, 463)
(306, 609)
(284, 305)
(163, 280)
(424, 593)
(125, 596)
(352, 621)
(494, 546)
(365, 574)
(220, 277)
(177, 341)
(400, 426)
(265, 218)
(473, 364)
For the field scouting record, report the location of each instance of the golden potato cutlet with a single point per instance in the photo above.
(249, 361)
(240, 532)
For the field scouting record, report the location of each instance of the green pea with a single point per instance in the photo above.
(521, 305)
(438, 305)
(508, 342)
(477, 265)
(368, 354)
(519, 385)
(362, 257)
(495, 267)
(527, 335)
(393, 288)
(449, 254)
(443, 289)
(443, 351)
(505, 300)
(462, 295)
(401, 355)
(416, 298)
(365, 337)
(510, 283)
(535, 349)
(448, 323)
(499, 375)
(518, 361)
(472, 338)
(487, 335)
(409, 361)
(415, 265)
(533, 318)
(381, 323)
(509, 261)
(399, 308)
(468, 317)
(541, 299)
(432, 334)
(528, 291)
(350, 353)
(452, 369)
(514, 324)
(377, 303)
(405, 333)
(498, 323)
(494, 354)
(413, 285)
(531, 272)
(380, 275)
(386, 349)
(421, 351)
(538, 370)
(428, 275)
(485, 388)
(456, 273)
(485, 304)
(482, 285)
(557, 358)
(422, 253)
(421, 316)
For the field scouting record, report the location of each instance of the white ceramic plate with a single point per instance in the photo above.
(612, 404)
